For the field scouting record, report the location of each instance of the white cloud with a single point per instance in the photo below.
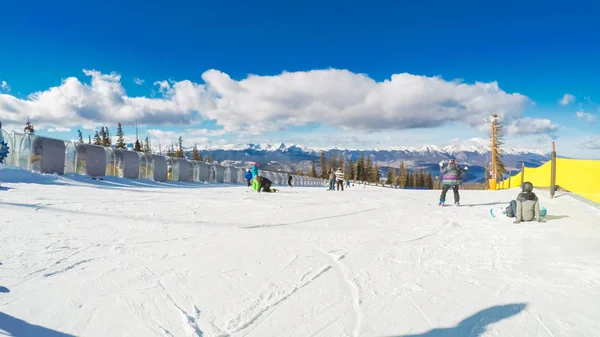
(591, 142)
(59, 129)
(590, 118)
(4, 86)
(567, 99)
(138, 81)
(332, 97)
(190, 137)
(530, 126)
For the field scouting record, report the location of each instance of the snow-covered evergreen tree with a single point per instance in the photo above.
(120, 138)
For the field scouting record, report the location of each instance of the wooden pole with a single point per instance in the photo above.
(553, 171)
(522, 174)
(493, 168)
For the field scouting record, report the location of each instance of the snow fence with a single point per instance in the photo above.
(574, 175)
(53, 156)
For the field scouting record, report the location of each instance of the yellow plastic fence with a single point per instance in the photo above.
(581, 177)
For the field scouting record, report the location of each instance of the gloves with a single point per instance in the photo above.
(441, 163)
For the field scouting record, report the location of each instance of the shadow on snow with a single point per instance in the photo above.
(19, 328)
(475, 325)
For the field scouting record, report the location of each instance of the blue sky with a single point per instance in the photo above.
(539, 50)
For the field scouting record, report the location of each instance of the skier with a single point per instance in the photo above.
(254, 176)
(264, 185)
(331, 180)
(347, 183)
(289, 176)
(249, 177)
(339, 175)
(452, 176)
(526, 207)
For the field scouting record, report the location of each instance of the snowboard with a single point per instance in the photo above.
(501, 212)
(497, 212)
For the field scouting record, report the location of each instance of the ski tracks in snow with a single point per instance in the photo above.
(251, 315)
(189, 319)
(353, 289)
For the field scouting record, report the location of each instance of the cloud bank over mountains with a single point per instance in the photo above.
(258, 104)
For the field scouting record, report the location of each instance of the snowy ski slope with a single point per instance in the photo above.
(117, 258)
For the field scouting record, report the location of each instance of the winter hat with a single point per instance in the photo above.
(255, 163)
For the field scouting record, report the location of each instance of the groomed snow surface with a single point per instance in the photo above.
(121, 258)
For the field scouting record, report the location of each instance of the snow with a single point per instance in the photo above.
(124, 258)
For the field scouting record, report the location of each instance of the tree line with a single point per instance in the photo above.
(103, 138)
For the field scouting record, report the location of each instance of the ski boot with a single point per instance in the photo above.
(441, 203)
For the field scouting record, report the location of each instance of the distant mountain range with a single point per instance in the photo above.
(293, 157)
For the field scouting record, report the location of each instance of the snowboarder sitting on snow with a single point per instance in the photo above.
(452, 176)
(249, 177)
(526, 207)
(264, 184)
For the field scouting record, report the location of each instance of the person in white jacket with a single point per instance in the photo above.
(339, 177)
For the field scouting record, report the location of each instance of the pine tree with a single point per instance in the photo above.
(323, 164)
(390, 176)
(430, 181)
(313, 171)
(368, 170)
(360, 168)
(375, 174)
(180, 153)
(351, 170)
(97, 138)
(103, 136)
(299, 173)
(209, 159)
(195, 155)
(402, 176)
(106, 140)
(79, 136)
(147, 146)
(423, 179)
(200, 157)
(120, 138)
(89, 139)
(137, 146)
(498, 142)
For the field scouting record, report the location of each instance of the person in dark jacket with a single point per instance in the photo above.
(331, 180)
(264, 184)
(249, 177)
(289, 176)
(451, 178)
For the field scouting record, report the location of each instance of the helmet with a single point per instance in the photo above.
(527, 187)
